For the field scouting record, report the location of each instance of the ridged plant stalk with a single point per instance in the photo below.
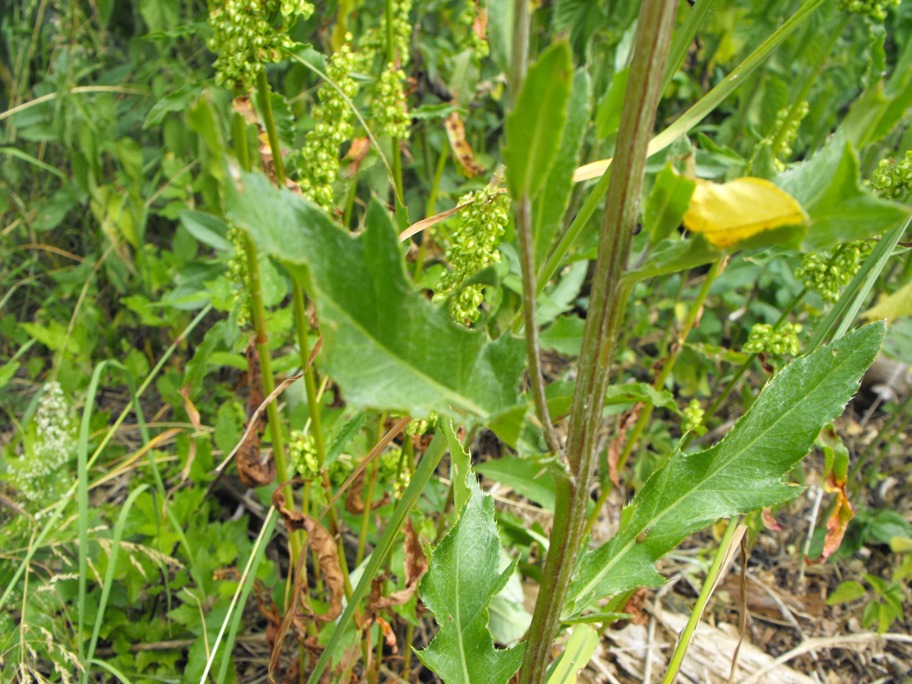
(297, 294)
(606, 311)
(258, 314)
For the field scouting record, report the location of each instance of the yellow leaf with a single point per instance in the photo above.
(728, 213)
(891, 307)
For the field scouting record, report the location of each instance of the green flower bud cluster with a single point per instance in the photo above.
(250, 33)
(420, 427)
(693, 416)
(302, 453)
(237, 275)
(392, 469)
(787, 132)
(48, 449)
(827, 274)
(390, 111)
(892, 179)
(765, 339)
(340, 469)
(470, 39)
(317, 163)
(374, 41)
(875, 9)
(473, 246)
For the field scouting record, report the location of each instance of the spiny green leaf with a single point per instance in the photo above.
(385, 344)
(741, 473)
(827, 187)
(534, 127)
(460, 582)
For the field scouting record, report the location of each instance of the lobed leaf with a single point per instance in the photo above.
(385, 344)
(462, 580)
(827, 186)
(741, 473)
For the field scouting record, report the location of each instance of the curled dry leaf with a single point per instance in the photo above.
(839, 519)
(326, 555)
(769, 520)
(416, 564)
(455, 131)
(254, 469)
(353, 501)
(356, 154)
(243, 106)
(194, 416)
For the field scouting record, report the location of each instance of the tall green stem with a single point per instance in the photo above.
(606, 309)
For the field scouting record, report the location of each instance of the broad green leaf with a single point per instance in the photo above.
(528, 477)
(534, 127)
(385, 344)
(667, 203)
(207, 228)
(741, 473)
(462, 579)
(881, 106)
(846, 593)
(160, 15)
(828, 188)
(565, 335)
(580, 647)
(640, 392)
(891, 307)
(552, 203)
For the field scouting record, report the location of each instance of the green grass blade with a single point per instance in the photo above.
(232, 620)
(422, 476)
(82, 503)
(109, 574)
(113, 670)
(684, 38)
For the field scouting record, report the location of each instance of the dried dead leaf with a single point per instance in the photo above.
(354, 503)
(416, 564)
(839, 519)
(455, 131)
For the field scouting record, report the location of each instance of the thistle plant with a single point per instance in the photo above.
(774, 341)
(874, 9)
(250, 33)
(317, 162)
(473, 246)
